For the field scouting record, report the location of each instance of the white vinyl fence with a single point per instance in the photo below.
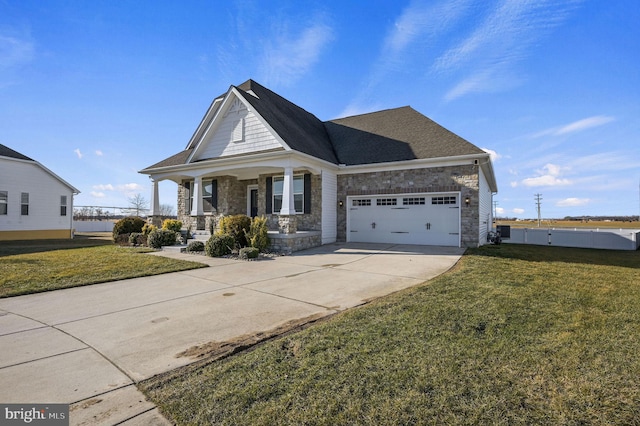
(612, 239)
(93, 225)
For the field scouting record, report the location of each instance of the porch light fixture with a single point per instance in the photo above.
(340, 203)
(467, 201)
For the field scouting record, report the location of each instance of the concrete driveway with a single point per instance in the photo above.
(88, 346)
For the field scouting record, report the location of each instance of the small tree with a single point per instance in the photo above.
(258, 235)
(166, 210)
(137, 205)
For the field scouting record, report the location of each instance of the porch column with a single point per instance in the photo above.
(288, 205)
(156, 219)
(155, 200)
(196, 208)
(287, 221)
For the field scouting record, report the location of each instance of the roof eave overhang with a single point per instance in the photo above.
(411, 164)
(277, 159)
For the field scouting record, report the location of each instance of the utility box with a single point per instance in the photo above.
(504, 230)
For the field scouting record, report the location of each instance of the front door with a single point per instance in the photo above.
(252, 202)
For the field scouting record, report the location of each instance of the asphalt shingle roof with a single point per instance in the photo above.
(5, 151)
(300, 129)
(398, 134)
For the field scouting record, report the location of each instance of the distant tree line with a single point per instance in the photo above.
(601, 218)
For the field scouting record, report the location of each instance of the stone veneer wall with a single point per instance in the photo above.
(232, 199)
(288, 243)
(436, 179)
(306, 222)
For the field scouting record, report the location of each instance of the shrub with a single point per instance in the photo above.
(147, 228)
(122, 239)
(195, 246)
(258, 235)
(161, 237)
(249, 253)
(127, 225)
(172, 224)
(219, 245)
(137, 239)
(237, 226)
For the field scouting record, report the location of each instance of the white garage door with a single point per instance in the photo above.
(426, 219)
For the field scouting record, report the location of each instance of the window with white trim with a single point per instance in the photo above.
(207, 195)
(361, 202)
(4, 202)
(63, 205)
(24, 204)
(298, 193)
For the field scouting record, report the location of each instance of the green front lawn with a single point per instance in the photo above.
(36, 266)
(512, 335)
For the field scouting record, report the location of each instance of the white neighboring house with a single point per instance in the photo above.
(35, 203)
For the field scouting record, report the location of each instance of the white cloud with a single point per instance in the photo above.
(576, 126)
(420, 21)
(609, 161)
(499, 210)
(130, 187)
(101, 187)
(493, 154)
(518, 211)
(126, 187)
(97, 194)
(573, 202)
(550, 175)
(286, 57)
(14, 51)
(585, 123)
(99, 153)
(78, 153)
(413, 33)
(488, 53)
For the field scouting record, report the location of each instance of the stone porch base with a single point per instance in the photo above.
(288, 243)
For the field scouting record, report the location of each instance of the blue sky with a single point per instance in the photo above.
(97, 90)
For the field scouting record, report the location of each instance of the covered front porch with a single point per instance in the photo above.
(289, 195)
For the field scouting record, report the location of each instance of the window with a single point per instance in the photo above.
(443, 200)
(361, 202)
(24, 204)
(208, 196)
(188, 197)
(413, 201)
(386, 201)
(298, 193)
(63, 205)
(4, 201)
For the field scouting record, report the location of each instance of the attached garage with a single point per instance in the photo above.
(425, 219)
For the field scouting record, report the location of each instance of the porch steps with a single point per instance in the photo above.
(200, 235)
